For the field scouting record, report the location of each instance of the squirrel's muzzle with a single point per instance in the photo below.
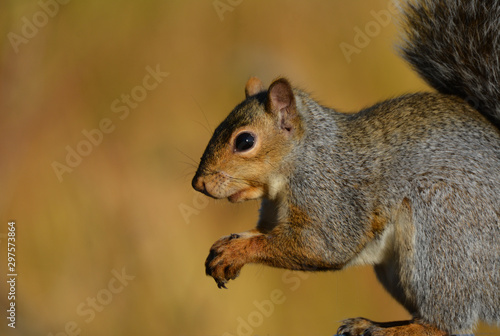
(198, 184)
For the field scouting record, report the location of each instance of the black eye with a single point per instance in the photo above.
(244, 142)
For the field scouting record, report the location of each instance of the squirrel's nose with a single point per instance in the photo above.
(198, 184)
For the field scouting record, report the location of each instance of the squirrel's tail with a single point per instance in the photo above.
(455, 46)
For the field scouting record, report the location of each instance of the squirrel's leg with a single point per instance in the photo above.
(360, 326)
(288, 245)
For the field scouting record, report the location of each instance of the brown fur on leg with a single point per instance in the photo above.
(364, 327)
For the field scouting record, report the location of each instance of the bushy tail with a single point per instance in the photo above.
(455, 46)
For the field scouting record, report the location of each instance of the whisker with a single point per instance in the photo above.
(204, 126)
(190, 164)
(207, 127)
(190, 158)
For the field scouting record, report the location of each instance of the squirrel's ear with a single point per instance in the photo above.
(254, 86)
(281, 102)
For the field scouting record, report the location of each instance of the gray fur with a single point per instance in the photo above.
(444, 158)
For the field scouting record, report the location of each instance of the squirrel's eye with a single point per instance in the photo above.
(244, 142)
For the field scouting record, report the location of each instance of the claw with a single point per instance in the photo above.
(221, 284)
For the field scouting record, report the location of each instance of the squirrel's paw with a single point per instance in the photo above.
(226, 258)
(358, 327)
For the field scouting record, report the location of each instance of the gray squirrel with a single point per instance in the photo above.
(410, 185)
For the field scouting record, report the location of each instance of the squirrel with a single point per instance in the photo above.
(410, 185)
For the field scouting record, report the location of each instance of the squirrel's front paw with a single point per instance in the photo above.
(226, 258)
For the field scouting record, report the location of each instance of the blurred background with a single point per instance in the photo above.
(105, 110)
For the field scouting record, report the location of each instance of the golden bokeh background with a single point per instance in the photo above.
(114, 244)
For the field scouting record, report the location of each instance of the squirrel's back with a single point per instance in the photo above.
(455, 46)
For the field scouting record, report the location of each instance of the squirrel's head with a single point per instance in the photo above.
(245, 157)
